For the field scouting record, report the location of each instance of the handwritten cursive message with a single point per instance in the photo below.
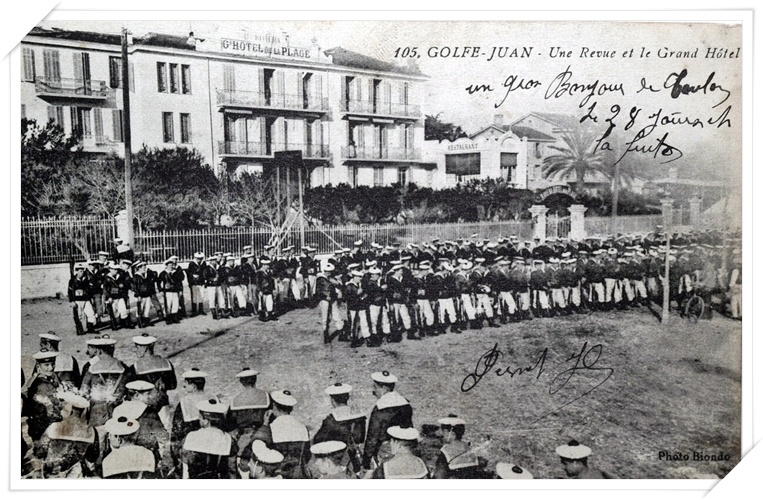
(643, 129)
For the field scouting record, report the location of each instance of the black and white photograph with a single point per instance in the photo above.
(377, 249)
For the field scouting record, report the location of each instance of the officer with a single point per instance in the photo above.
(186, 416)
(69, 448)
(327, 288)
(245, 273)
(357, 310)
(212, 282)
(209, 452)
(155, 369)
(539, 286)
(378, 312)
(397, 296)
(247, 411)
(104, 382)
(455, 460)
(195, 274)
(574, 457)
(126, 460)
(143, 288)
(391, 409)
(66, 366)
(343, 424)
(171, 287)
(234, 295)
(464, 290)
(100, 270)
(80, 295)
(116, 288)
(178, 277)
(403, 464)
(510, 471)
(266, 285)
(329, 461)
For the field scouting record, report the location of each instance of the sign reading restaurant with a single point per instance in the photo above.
(268, 47)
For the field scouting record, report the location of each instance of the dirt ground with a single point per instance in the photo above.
(618, 382)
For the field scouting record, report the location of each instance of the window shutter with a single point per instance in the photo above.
(263, 132)
(387, 96)
(98, 119)
(131, 75)
(28, 64)
(116, 122)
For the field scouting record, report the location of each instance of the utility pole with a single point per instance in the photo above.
(667, 210)
(127, 137)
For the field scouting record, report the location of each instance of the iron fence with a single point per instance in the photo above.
(57, 240)
(158, 246)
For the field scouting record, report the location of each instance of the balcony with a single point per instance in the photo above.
(377, 153)
(381, 108)
(72, 88)
(263, 150)
(244, 149)
(299, 104)
(100, 144)
(309, 151)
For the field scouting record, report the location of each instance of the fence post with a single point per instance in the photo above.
(539, 221)
(695, 203)
(121, 220)
(577, 222)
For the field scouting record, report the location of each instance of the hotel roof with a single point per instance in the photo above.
(340, 56)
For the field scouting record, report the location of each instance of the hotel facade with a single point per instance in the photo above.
(239, 101)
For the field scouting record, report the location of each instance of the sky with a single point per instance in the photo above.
(609, 57)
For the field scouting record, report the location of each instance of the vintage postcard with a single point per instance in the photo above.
(337, 249)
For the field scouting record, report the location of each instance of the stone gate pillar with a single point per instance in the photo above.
(695, 202)
(539, 221)
(121, 219)
(577, 222)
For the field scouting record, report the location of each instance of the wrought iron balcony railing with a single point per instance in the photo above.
(72, 87)
(271, 100)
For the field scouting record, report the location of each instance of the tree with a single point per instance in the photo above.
(170, 188)
(436, 129)
(253, 200)
(577, 156)
(48, 157)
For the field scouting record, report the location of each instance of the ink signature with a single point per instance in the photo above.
(586, 360)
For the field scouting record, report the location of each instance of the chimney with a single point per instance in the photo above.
(498, 120)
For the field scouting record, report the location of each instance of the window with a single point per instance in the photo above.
(538, 150)
(161, 76)
(378, 176)
(56, 115)
(229, 78)
(167, 127)
(174, 80)
(115, 72)
(463, 164)
(185, 78)
(51, 65)
(84, 118)
(185, 128)
(402, 176)
(27, 62)
(508, 165)
(116, 120)
(353, 176)
(98, 122)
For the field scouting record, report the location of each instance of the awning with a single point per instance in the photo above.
(462, 164)
(508, 160)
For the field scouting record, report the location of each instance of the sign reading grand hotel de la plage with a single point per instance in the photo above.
(265, 45)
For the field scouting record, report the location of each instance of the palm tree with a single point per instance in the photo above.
(576, 157)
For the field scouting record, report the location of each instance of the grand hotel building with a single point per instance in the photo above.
(239, 101)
